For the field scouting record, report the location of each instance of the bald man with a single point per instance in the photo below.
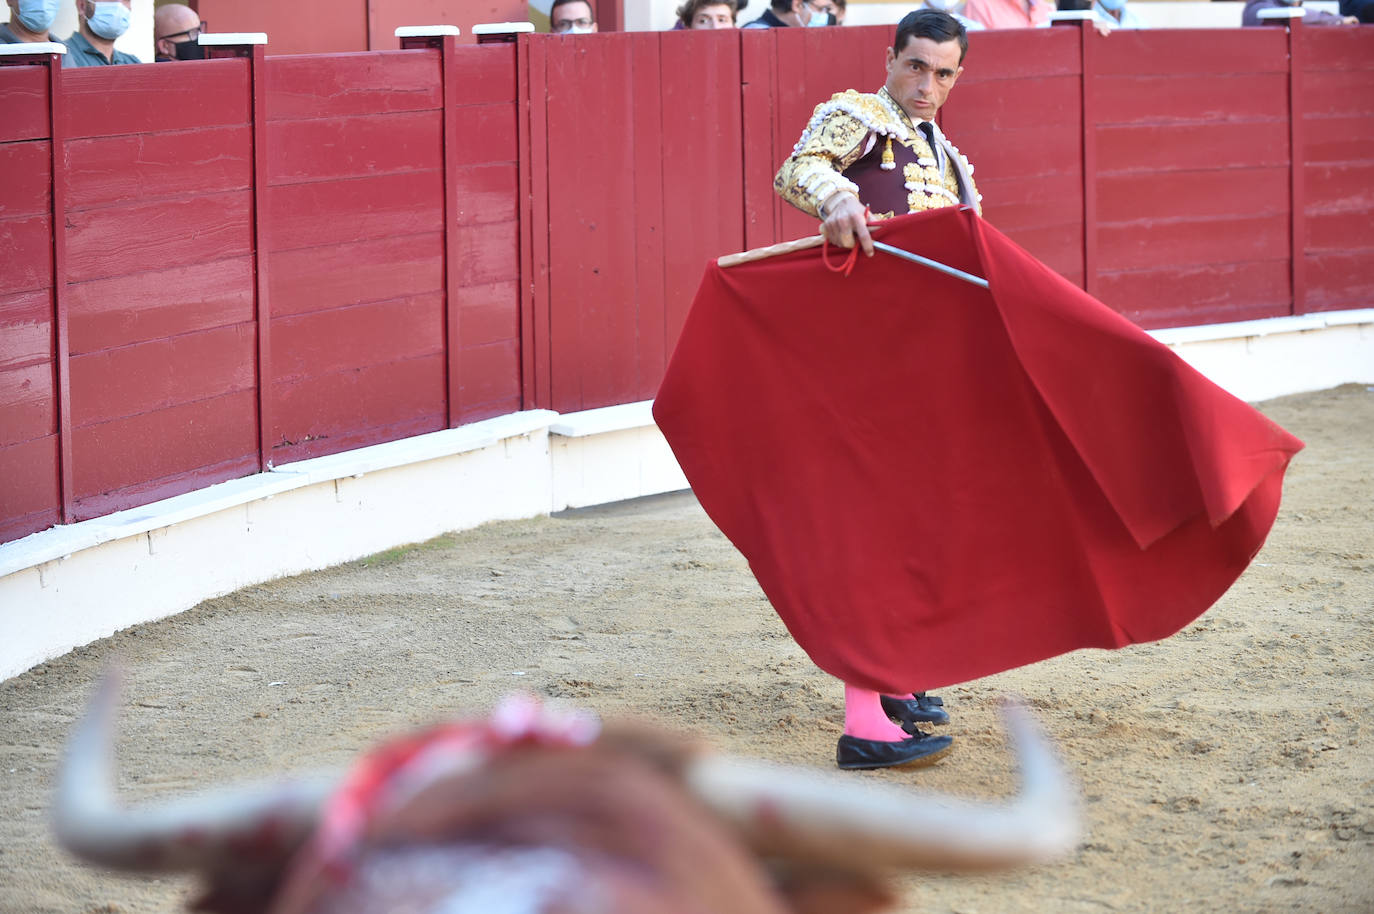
(175, 29)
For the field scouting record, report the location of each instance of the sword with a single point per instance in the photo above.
(801, 244)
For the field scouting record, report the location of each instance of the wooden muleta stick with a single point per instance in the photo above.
(786, 247)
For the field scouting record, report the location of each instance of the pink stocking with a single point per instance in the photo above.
(864, 716)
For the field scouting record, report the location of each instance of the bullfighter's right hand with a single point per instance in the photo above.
(844, 218)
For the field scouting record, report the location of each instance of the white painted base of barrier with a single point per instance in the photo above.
(73, 584)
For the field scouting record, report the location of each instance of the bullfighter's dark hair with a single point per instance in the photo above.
(927, 23)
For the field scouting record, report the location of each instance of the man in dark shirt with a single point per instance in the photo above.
(785, 13)
(100, 22)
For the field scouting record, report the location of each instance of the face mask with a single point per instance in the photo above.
(190, 50)
(37, 15)
(1112, 5)
(574, 30)
(817, 20)
(109, 21)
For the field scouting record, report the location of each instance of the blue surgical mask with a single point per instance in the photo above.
(37, 15)
(109, 21)
(817, 19)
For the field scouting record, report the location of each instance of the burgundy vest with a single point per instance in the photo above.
(884, 191)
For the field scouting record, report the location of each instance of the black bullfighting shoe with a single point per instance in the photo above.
(921, 749)
(920, 709)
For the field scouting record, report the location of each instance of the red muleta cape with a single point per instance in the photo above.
(934, 482)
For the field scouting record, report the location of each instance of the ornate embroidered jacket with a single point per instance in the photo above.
(865, 143)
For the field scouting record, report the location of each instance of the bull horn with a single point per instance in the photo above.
(819, 816)
(250, 821)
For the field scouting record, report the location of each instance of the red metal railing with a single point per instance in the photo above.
(209, 268)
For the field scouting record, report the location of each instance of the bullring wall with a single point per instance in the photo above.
(213, 268)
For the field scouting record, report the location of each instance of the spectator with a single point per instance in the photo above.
(572, 17)
(99, 23)
(706, 14)
(956, 9)
(832, 8)
(1250, 15)
(176, 28)
(1117, 14)
(786, 13)
(1010, 14)
(1359, 10)
(29, 21)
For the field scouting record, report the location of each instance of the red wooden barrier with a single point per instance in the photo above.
(1337, 131)
(31, 467)
(330, 27)
(355, 234)
(634, 146)
(403, 241)
(159, 207)
(1192, 175)
(1017, 114)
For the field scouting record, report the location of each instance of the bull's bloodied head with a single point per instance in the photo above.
(543, 812)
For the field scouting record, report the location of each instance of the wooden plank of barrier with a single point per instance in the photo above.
(642, 338)
(24, 97)
(123, 310)
(28, 404)
(160, 373)
(703, 186)
(153, 234)
(146, 100)
(156, 455)
(31, 490)
(109, 170)
(758, 62)
(305, 280)
(336, 85)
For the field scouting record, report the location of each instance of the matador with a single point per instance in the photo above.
(865, 157)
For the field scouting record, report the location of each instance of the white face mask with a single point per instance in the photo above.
(37, 15)
(574, 30)
(109, 21)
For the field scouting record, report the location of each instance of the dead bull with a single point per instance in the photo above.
(539, 811)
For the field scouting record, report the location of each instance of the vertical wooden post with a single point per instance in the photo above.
(453, 336)
(62, 362)
(444, 39)
(1297, 159)
(49, 54)
(1292, 17)
(1087, 43)
(253, 47)
(758, 130)
(535, 318)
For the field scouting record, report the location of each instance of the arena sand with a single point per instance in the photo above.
(1228, 768)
